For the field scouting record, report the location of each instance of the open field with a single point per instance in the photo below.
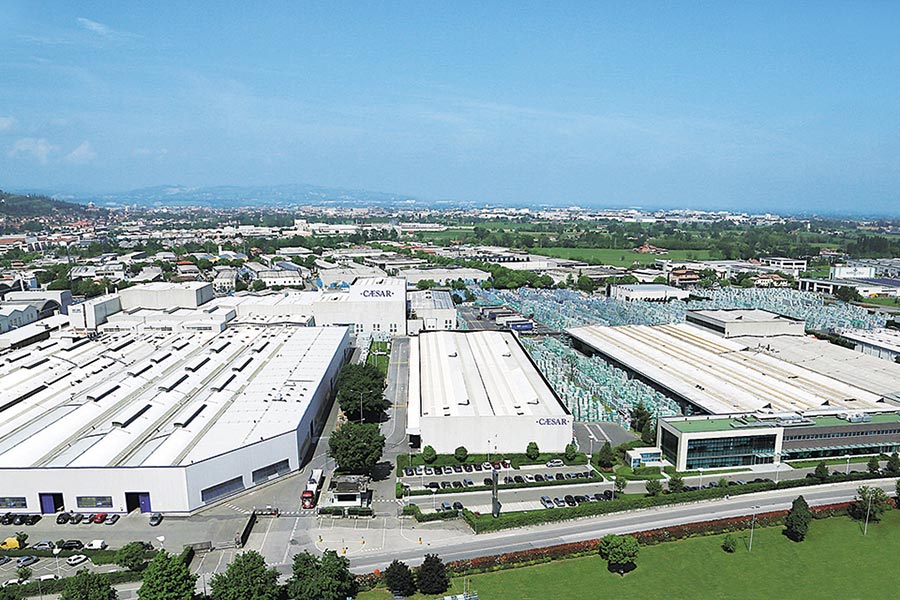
(620, 258)
(380, 356)
(836, 561)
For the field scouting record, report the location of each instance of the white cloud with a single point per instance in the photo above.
(82, 154)
(38, 148)
(94, 26)
(6, 123)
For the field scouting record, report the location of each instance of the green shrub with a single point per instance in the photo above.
(460, 454)
(532, 451)
(729, 544)
(428, 454)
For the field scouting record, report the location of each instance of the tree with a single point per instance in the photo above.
(428, 454)
(399, 579)
(532, 451)
(621, 484)
(571, 451)
(247, 577)
(11, 593)
(893, 464)
(328, 578)
(431, 576)
(622, 554)
(821, 471)
(796, 523)
(654, 487)
(360, 392)
(871, 501)
(88, 586)
(847, 294)
(461, 454)
(23, 573)
(130, 556)
(729, 544)
(873, 465)
(640, 416)
(648, 433)
(606, 457)
(258, 285)
(676, 484)
(606, 545)
(167, 578)
(21, 537)
(356, 447)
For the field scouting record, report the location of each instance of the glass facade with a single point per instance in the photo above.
(13, 502)
(730, 451)
(669, 446)
(94, 501)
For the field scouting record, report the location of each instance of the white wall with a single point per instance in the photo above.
(482, 434)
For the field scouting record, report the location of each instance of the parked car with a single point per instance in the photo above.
(529, 478)
(468, 483)
(457, 505)
(579, 499)
(519, 479)
(75, 560)
(63, 518)
(477, 467)
(457, 484)
(547, 502)
(76, 518)
(32, 519)
(96, 545)
(555, 463)
(599, 497)
(25, 561)
(19, 520)
(446, 484)
(607, 494)
(89, 519)
(445, 506)
(10, 582)
(420, 470)
(457, 469)
(44, 545)
(486, 466)
(538, 477)
(496, 465)
(434, 485)
(100, 518)
(7, 519)
(488, 481)
(467, 468)
(50, 577)
(429, 471)
(408, 472)
(560, 476)
(570, 500)
(155, 519)
(448, 470)
(4, 560)
(72, 545)
(113, 519)
(559, 502)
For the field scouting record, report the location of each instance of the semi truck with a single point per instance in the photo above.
(310, 495)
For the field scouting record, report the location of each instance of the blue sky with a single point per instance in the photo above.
(755, 105)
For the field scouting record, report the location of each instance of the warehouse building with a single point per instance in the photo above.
(430, 310)
(163, 421)
(881, 343)
(747, 322)
(480, 390)
(161, 294)
(647, 292)
(709, 374)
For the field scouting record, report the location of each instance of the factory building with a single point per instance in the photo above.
(480, 390)
(167, 421)
(709, 442)
(647, 292)
(882, 343)
(430, 310)
(745, 322)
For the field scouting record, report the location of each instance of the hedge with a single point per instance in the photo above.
(98, 557)
(413, 510)
(360, 511)
(485, 523)
(56, 586)
(331, 510)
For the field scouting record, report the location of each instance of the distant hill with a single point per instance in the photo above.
(245, 196)
(26, 206)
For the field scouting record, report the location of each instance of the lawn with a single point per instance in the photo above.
(803, 464)
(620, 258)
(836, 561)
(380, 356)
(895, 302)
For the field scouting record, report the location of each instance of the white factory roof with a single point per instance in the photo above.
(477, 373)
(430, 299)
(752, 315)
(720, 375)
(889, 339)
(165, 399)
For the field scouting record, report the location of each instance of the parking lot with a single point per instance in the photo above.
(51, 566)
(477, 475)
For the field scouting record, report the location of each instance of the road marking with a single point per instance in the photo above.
(288, 549)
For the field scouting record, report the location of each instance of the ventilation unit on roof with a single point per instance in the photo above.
(453, 355)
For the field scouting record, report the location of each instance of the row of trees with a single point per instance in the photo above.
(358, 444)
(430, 578)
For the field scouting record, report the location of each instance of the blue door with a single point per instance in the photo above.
(48, 504)
(144, 500)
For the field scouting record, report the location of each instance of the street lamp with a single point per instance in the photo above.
(868, 509)
(162, 542)
(614, 479)
(752, 524)
(701, 476)
(847, 472)
(56, 552)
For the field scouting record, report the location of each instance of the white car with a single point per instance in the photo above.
(11, 582)
(96, 545)
(76, 560)
(52, 577)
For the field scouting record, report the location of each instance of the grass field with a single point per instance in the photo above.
(380, 356)
(883, 301)
(620, 258)
(800, 464)
(835, 562)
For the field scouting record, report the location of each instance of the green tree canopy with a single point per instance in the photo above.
(399, 579)
(246, 578)
(654, 487)
(869, 501)
(88, 586)
(432, 576)
(821, 471)
(167, 578)
(606, 457)
(796, 523)
(676, 484)
(356, 447)
(360, 392)
(532, 451)
(326, 578)
(130, 556)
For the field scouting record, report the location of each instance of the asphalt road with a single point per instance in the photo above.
(594, 527)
